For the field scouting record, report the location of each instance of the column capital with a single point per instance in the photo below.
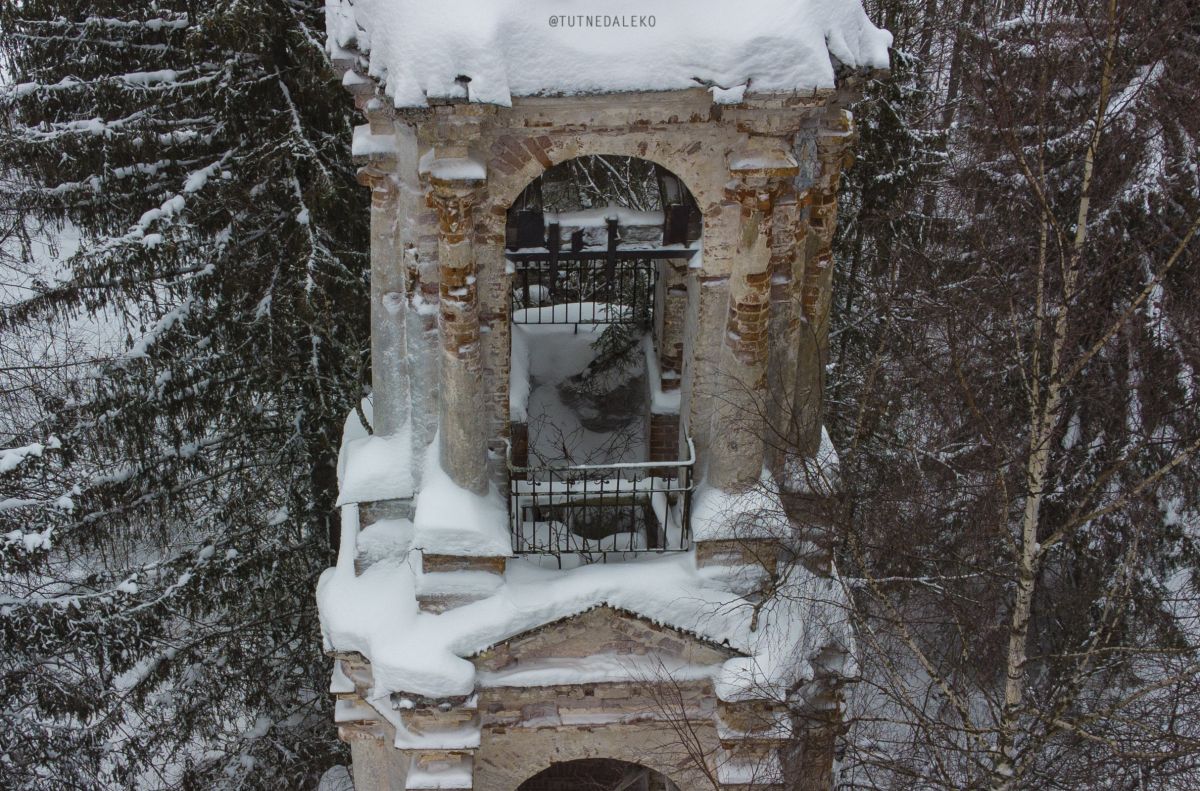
(454, 202)
(375, 179)
(760, 177)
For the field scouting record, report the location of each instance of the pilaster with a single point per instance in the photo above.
(758, 179)
(462, 434)
(833, 141)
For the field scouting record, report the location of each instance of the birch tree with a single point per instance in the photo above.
(1019, 441)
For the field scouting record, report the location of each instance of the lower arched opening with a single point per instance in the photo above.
(598, 774)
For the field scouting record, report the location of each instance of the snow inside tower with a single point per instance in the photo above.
(585, 535)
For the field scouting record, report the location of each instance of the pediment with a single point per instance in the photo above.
(602, 643)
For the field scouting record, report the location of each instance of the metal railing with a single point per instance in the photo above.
(589, 277)
(597, 509)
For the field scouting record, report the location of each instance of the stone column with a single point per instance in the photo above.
(379, 171)
(389, 371)
(736, 461)
(833, 142)
(788, 242)
(462, 428)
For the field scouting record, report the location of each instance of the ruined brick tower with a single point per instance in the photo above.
(521, 601)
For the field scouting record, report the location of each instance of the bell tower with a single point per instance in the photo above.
(583, 509)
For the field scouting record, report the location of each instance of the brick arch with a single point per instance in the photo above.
(695, 153)
(544, 780)
(513, 772)
(672, 154)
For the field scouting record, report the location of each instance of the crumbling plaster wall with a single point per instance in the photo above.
(762, 287)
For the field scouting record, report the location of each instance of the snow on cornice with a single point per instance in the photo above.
(489, 51)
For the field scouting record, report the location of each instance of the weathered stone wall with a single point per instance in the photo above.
(834, 136)
(742, 335)
(682, 130)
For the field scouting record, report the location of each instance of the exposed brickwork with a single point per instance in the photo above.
(518, 433)
(434, 563)
(674, 319)
(664, 438)
(746, 329)
(812, 763)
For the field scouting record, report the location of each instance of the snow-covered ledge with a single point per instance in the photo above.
(501, 47)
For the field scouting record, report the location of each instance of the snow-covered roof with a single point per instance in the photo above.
(421, 50)
(414, 652)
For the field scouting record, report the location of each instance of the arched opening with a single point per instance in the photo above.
(598, 774)
(598, 250)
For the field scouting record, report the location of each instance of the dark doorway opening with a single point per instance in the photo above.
(598, 774)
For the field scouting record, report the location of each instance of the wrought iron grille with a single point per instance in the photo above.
(617, 291)
(601, 509)
(609, 285)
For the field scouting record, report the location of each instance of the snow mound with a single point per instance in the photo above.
(419, 653)
(755, 513)
(374, 467)
(491, 50)
(450, 520)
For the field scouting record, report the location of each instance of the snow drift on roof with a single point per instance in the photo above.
(505, 48)
(422, 653)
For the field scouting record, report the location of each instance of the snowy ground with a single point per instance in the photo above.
(575, 419)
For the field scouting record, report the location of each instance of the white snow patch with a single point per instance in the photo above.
(737, 771)
(764, 162)
(145, 78)
(509, 48)
(813, 475)
(662, 402)
(386, 538)
(452, 168)
(374, 467)
(599, 216)
(460, 583)
(340, 683)
(733, 95)
(519, 384)
(596, 669)
(366, 144)
(423, 653)
(11, 458)
(458, 775)
(142, 347)
(450, 520)
(754, 513)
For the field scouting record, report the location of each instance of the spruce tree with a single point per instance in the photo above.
(160, 554)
